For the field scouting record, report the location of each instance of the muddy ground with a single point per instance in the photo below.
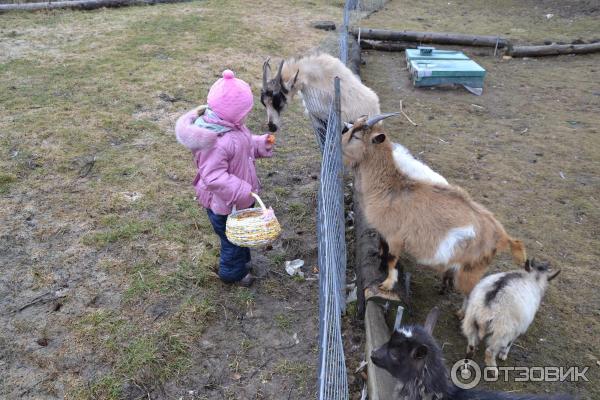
(528, 149)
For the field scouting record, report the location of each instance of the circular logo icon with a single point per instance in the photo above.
(465, 374)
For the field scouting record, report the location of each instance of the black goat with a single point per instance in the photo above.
(414, 358)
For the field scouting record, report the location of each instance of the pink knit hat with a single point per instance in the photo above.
(230, 98)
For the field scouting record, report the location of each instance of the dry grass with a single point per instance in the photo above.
(521, 21)
(96, 192)
(528, 150)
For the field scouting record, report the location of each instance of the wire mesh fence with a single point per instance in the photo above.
(332, 260)
(325, 113)
(359, 9)
(324, 109)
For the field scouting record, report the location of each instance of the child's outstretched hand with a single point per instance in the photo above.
(270, 142)
(200, 110)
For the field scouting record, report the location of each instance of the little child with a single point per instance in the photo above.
(224, 152)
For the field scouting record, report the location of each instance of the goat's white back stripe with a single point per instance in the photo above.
(415, 169)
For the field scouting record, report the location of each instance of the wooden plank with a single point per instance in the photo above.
(431, 37)
(380, 384)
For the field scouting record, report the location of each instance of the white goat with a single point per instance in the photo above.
(503, 306)
(312, 77)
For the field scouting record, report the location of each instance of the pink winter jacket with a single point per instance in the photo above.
(226, 171)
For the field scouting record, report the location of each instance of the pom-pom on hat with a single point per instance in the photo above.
(230, 98)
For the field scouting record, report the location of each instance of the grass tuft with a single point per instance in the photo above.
(131, 230)
(5, 181)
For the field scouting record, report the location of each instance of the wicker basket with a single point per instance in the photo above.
(252, 227)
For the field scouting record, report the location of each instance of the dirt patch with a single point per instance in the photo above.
(528, 150)
(519, 21)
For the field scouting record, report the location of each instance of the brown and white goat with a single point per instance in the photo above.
(313, 75)
(439, 225)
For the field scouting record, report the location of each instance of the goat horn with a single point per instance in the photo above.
(278, 76)
(554, 275)
(431, 320)
(266, 68)
(375, 119)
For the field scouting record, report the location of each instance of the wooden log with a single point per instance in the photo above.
(387, 46)
(324, 25)
(366, 254)
(553, 50)
(80, 4)
(380, 384)
(431, 37)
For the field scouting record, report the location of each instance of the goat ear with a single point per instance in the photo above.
(431, 320)
(527, 265)
(554, 275)
(420, 352)
(377, 139)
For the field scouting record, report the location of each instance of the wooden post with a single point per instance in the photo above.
(431, 37)
(380, 383)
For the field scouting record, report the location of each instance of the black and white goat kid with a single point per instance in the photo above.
(502, 306)
(414, 358)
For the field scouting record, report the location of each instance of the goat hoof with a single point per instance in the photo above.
(460, 314)
(503, 357)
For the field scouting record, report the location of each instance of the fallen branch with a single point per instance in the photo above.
(79, 4)
(259, 368)
(431, 37)
(554, 50)
(407, 117)
(46, 298)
